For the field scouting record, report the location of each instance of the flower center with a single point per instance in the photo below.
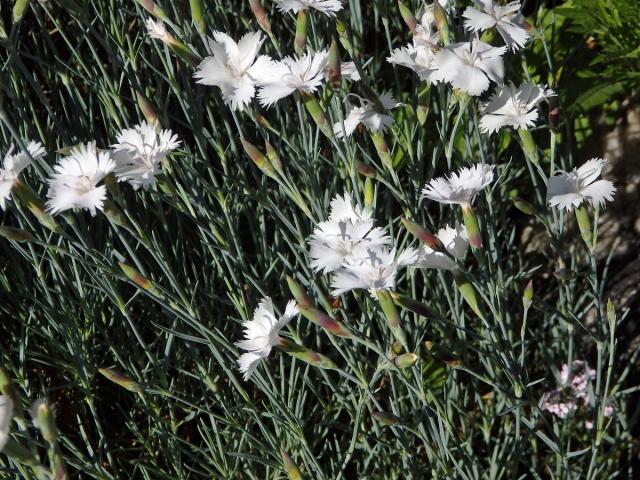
(83, 185)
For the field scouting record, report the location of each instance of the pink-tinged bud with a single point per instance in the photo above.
(407, 16)
(324, 321)
(468, 292)
(471, 225)
(385, 418)
(554, 113)
(261, 15)
(120, 379)
(392, 315)
(147, 109)
(382, 148)
(422, 234)
(151, 7)
(273, 156)
(135, 276)
(292, 469)
(16, 234)
(364, 169)
(261, 161)
(30, 199)
(527, 295)
(302, 22)
(415, 306)
(305, 354)
(334, 64)
(405, 360)
(299, 293)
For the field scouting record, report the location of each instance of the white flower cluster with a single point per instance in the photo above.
(77, 179)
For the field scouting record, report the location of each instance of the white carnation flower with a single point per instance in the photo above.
(349, 231)
(261, 334)
(284, 77)
(157, 30)
(234, 67)
(375, 270)
(515, 107)
(139, 152)
(569, 189)
(506, 19)
(461, 186)
(368, 115)
(455, 241)
(419, 58)
(328, 7)
(75, 181)
(469, 66)
(13, 165)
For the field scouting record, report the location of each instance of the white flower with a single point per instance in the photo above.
(426, 35)
(366, 114)
(455, 240)
(419, 58)
(515, 107)
(157, 30)
(13, 165)
(349, 231)
(328, 7)
(139, 152)
(304, 73)
(506, 19)
(460, 187)
(569, 189)
(349, 72)
(75, 181)
(469, 66)
(234, 67)
(375, 270)
(261, 334)
(6, 412)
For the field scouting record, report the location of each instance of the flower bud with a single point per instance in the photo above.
(611, 315)
(273, 156)
(369, 192)
(299, 293)
(147, 109)
(407, 16)
(385, 418)
(292, 468)
(471, 225)
(584, 224)
(305, 354)
(524, 206)
(468, 292)
(46, 422)
(16, 234)
(527, 295)
(30, 199)
(197, 15)
(442, 23)
(151, 7)
(324, 321)
(529, 146)
(315, 110)
(302, 22)
(364, 169)
(135, 276)
(429, 239)
(261, 15)
(392, 315)
(120, 379)
(334, 64)
(382, 148)
(415, 306)
(261, 161)
(19, 9)
(405, 360)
